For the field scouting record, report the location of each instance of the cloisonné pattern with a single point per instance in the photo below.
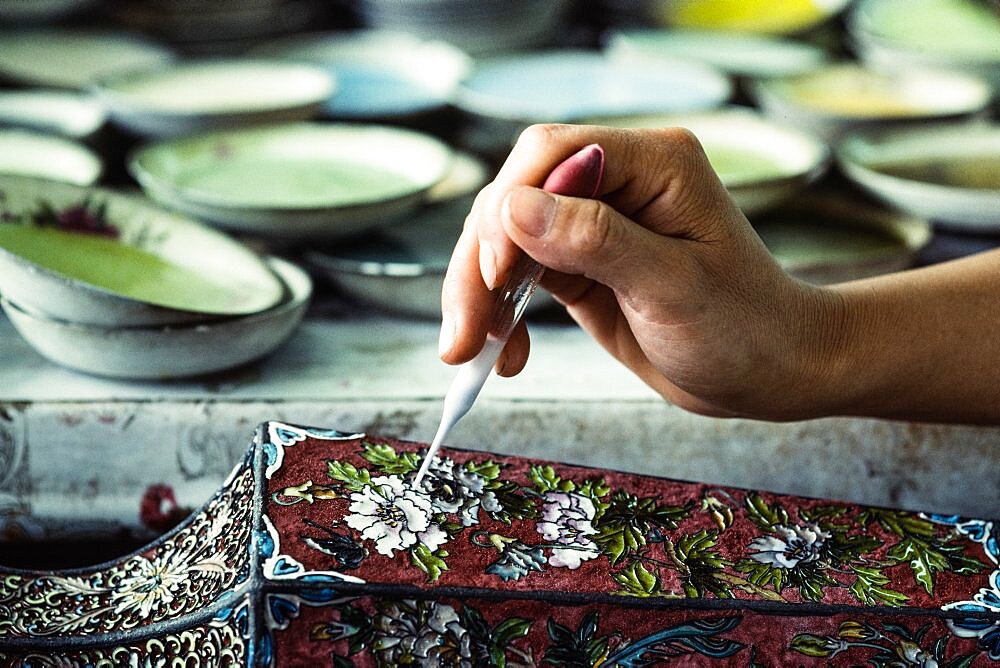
(187, 571)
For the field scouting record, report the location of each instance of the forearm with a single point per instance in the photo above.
(918, 345)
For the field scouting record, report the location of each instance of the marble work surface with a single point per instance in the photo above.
(77, 453)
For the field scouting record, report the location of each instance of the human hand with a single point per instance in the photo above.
(663, 270)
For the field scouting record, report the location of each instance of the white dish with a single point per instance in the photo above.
(199, 96)
(739, 54)
(956, 34)
(829, 239)
(65, 286)
(762, 163)
(160, 353)
(949, 173)
(74, 58)
(296, 181)
(379, 74)
(559, 86)
(26, 153)
(62, 112)
(839, 98)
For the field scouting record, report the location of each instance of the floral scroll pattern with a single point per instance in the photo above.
(540, 521)
(189, 570)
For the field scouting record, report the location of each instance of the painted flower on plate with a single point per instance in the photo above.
(453, 489)
(394, 515)
(423, 633)
(567, 522)
(796, 545)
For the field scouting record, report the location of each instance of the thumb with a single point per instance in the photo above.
(585, 237)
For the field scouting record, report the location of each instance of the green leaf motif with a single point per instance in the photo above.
(488, 469)
(762, 575)
(623, 524)
(580, 648)
(491, 643)
(924, 560)
(903, 524)
(431, 563)
(546, 479)
(636, 580)
(764, 515)
(385, 459)
(812, 645)
(869, 588)
(354, 479)
(514, 505)
(703, 563)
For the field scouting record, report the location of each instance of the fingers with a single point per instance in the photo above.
(465, 302)
(515, 354)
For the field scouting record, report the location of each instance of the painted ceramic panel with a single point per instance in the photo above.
(320, 550)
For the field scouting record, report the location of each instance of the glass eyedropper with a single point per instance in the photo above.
(577, 176)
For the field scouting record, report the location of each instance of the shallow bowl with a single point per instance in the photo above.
(160, 353)
(173, 270)
(40, 155)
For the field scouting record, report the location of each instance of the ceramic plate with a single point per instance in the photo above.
(70, 114)
(959, 34)
(569, 85)
(32, 154)
(837, 98)
(761, 163)
(828, 239)
(74, 58)
(754, 16)
(105, 258)
(950, 173)
(197, 96)
(159, 353)
(740, 54)
(295, 181)
(380, 75)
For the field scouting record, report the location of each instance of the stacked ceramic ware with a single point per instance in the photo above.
(106, 283)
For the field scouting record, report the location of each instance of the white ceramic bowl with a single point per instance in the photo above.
(295, 182)
(61, 112)
(761, 162)
(33, 154)
(70, 58)
(159, 353)
(837, 99)
(931, 171)
(206, 95)
(247, 285)
(826, 238)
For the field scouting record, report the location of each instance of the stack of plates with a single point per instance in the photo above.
(475, 26)
(840, 98)
(204, 95)
(65, 113)
(74, 58)
(962, 35)
(380, 75)
(949, 172)
(294, 182)
(218, 27)
(105, 283)
(505, 94)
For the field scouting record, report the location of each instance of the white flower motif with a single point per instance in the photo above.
(797, 545)
(152, 585)
(394, 515)
(567, 519)
(453, 489)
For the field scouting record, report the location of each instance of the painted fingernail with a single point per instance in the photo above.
(535, 210)
(447, 338)
(487, 264)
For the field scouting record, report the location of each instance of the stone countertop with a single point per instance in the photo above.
(76, 452)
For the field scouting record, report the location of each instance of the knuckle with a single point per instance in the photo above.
(597, 233)
(540, 135)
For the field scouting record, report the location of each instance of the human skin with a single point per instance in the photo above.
(665, 272)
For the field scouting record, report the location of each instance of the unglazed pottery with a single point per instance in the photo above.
(320, 550)
(96, 256)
